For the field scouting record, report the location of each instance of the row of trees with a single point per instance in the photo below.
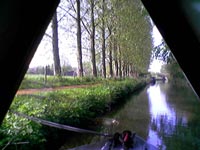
(115, 34)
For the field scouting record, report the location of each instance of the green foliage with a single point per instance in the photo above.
(183, 136)
(38, 81)
(162, 52)
(189, 136)
(76, 107)
(20, 129)
(176, 73)
(132, 33)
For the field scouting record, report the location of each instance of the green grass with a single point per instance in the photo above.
(39, 81)
(76, 107)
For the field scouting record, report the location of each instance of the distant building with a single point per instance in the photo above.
(71, 73)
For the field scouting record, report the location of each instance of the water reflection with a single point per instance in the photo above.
(163, 116)
(158, 104)
(159, 114)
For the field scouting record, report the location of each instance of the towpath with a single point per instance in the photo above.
(33, 91)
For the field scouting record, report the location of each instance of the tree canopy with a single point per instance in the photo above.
(113, 35)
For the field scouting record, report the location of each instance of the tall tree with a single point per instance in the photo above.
(92, 38)
(88, 22)
(129, 44)
(103, 40)
(110, 57)
(132, 34)
(116, 59)
(75, 13)
(56, 57)
(110, 23)
(79, 43)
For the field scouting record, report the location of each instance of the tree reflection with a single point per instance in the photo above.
(164, 118)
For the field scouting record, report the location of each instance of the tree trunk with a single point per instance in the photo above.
(120, 62)
(128, 70)
(103, 41)
(92, 39)
(116, 59)
(103, 54)
(123, 69)
(110, 58)
(79, 44)
(56, 57)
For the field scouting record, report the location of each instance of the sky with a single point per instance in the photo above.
(156, 36)
(156, 65)
(44, 56)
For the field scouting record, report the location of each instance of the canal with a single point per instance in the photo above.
(165, 115)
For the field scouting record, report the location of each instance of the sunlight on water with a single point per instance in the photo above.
(160, 113)
(158, 104)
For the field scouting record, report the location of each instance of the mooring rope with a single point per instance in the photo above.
(60, 126)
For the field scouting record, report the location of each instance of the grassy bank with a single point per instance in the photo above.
(40, 81)
(76, 107)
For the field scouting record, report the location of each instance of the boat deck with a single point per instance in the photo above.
(139, 144)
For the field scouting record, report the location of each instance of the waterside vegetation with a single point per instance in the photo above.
(75, 107)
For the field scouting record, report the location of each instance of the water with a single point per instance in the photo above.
(159, 114)
(164, 115)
